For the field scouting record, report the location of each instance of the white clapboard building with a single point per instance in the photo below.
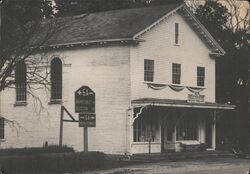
(153, 74)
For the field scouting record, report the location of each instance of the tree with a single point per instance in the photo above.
(76, 7)
(21, 23)
(26, 26)
(231, 29)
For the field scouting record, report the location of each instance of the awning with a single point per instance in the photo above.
(179, 103)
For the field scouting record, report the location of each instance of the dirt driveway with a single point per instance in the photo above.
(203, 166)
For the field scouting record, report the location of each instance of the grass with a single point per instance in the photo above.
(35, 150)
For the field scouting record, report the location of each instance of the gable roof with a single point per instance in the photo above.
(116, 25)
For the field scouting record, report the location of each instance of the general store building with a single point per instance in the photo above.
(153, 73)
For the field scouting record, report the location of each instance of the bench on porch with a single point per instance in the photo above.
(192, 146)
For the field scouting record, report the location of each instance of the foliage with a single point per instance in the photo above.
(231, 30)
(76, 7)
(213, 16)
(34, 150)
(21, 21)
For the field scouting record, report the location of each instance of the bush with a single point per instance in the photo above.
(53, 162)
(35, 150)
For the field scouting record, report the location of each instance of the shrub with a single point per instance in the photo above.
(35, 150)
(53, 162)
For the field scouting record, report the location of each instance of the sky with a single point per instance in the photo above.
(242, 6)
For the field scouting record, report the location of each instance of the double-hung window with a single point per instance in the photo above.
(176, 73)
(200, 76)
(20, 82)
(148, 70)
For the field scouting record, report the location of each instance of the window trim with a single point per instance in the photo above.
(54, 99)
(199, 77)
(20, 103)
(177, 33)
(21, 83)
(150, 72)
(174, 74)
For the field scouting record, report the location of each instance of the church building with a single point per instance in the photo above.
(152, 71)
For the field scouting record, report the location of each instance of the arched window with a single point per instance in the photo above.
(56, 79)
(20, 79)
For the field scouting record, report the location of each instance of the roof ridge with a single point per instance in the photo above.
(123, 9)
(108, 25)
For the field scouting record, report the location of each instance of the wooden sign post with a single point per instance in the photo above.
(85, 106)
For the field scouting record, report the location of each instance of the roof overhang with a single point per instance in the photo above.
(202, 32)
(102, 42)
(185, 12)
(179, 104)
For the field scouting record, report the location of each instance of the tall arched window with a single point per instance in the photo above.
(56, 79)
(20, 79)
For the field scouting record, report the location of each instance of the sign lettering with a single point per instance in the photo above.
(196, 98)
(84, 100)
(85, 106)
(88, 120)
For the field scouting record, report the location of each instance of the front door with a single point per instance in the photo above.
(166, 138)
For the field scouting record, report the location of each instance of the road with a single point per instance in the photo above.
(204, 166)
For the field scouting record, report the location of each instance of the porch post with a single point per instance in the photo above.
(129, 113)
(174, 134)
(131, 130)
(214, 131)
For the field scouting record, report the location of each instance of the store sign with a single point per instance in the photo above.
(84, 100)
(87, 120)
(196, 98)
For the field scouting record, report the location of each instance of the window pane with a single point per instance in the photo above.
(56, 79)
(176, 73)
(145, 129)
(176, 33)
(187, 130)
(200, 76)
(148, 70)
(20, 79)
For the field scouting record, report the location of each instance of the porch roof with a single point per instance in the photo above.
(179, 103)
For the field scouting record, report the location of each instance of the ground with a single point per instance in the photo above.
(201, 166)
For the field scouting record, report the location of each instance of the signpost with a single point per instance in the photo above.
(85, 106)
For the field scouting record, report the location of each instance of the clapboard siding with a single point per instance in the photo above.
(106, 71)
(159, 45)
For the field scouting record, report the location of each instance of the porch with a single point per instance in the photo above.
(175, 156)
(160, 126)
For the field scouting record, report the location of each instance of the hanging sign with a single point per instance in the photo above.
(84, 100)
(196, 98)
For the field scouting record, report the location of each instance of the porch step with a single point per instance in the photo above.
(173, 156)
